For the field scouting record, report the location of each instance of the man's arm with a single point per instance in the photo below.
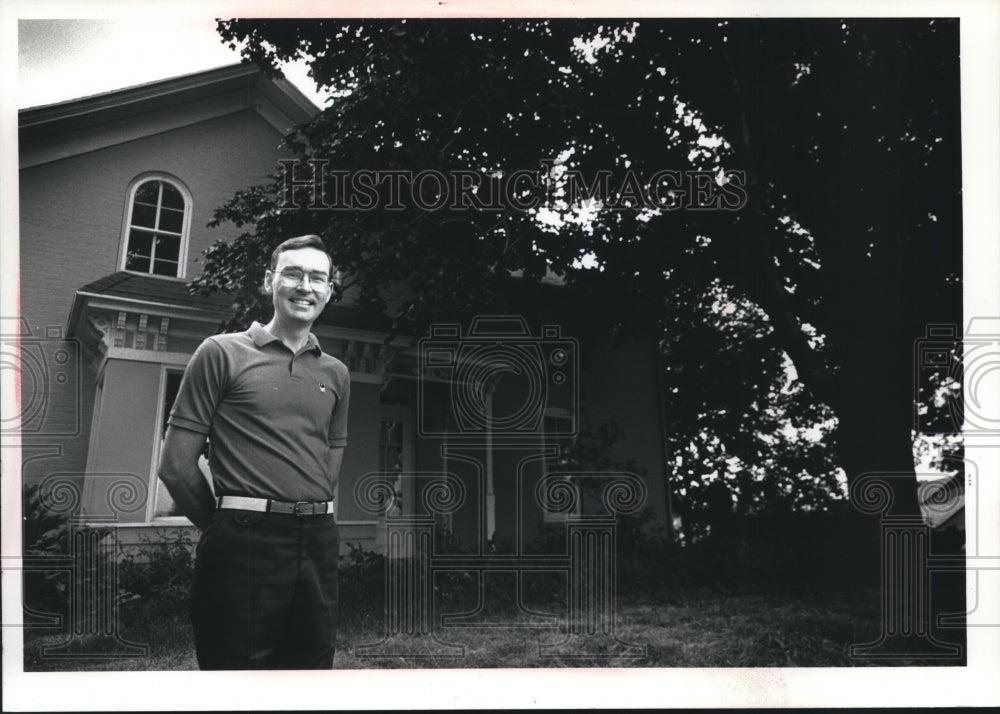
(180, 474)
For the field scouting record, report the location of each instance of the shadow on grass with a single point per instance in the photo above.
(701, 629)
(709, 605)
(167, 640)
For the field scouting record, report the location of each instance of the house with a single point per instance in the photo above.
(116, 191)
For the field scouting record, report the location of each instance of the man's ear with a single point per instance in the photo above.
(268, 282)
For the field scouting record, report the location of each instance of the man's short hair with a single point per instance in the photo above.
(306, 241)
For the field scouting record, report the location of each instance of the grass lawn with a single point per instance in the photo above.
(696, 630)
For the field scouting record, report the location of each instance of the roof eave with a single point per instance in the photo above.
(283, 104)
(172, 86)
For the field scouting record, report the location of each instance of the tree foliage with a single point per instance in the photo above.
(848, 244)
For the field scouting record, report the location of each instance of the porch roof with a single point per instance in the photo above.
(172, 293)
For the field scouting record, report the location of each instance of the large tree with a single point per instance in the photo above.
(847, 134)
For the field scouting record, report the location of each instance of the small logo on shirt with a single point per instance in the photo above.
(322, 387)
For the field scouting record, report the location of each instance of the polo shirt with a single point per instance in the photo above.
(271, 416)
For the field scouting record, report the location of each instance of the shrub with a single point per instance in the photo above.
(153, 581)
(45, 535)
(158, 576)
(362, 590)
(60, 583)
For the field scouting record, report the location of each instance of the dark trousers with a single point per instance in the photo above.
(264, 594)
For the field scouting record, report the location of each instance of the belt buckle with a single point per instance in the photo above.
(299, 508)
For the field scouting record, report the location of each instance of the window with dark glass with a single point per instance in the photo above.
(156, 229)
(163, 504)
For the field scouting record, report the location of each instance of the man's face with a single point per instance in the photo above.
(299, 302)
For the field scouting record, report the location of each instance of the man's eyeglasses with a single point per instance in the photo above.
(293, 276)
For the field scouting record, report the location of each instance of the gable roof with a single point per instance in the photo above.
(55, 131)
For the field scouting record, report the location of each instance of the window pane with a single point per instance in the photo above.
(139, 263)
(164, 504)
(148, 192)
(167, 248)
(165, 267)
(158, 212)
(140, 242)
(171, 220)
(172, 197)
(172, 387)
(144, 215)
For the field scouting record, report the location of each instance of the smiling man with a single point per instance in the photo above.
(274, 408)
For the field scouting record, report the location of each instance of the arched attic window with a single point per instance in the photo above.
(155, 235)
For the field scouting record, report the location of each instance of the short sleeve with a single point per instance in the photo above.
(337, 437)
(201, 390)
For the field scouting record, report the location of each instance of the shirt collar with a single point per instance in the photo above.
(262, 337)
